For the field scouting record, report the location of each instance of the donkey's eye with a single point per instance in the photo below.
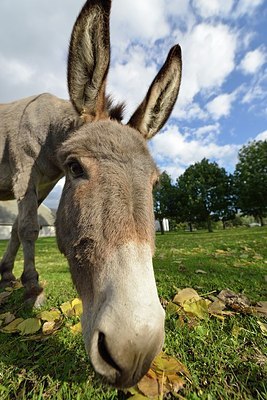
(76, 169)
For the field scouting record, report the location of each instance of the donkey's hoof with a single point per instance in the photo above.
(35, 298)
(7, 281)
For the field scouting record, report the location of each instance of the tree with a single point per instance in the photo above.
(164, 195)
(251, 180)
(204, 193)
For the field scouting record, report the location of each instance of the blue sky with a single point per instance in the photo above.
(222, 102)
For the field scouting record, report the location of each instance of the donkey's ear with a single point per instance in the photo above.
(155, 109)
(88, 61)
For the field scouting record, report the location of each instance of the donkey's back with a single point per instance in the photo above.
(30, 132)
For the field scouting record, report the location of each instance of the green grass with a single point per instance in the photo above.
(226, 359)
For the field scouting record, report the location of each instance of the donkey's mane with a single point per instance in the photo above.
(115, 111)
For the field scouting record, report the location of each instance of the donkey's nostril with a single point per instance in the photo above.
(104, 352)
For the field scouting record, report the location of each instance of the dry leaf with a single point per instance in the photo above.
(139, 396)
(260, 309)
(172, 308)
(77, 307)
(77, 328)
(263, 328)
(198, 308)
(235, 301)
(200, 271)
(48, 327)
(149, 387)
(168, 364)
(7, 318)
(3, 296)
(12, 327)
(216, 307)
(175, 383)
(184, 295)
(29, 326)
(66, 308)
(49, 316)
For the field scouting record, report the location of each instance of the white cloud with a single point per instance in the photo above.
(209, 54)
(207, 133)
(174, 152)
(15, 70)
(220, 106)
(261, 136)
(246, 7)
(208, 8)
(253, 61)
(129, 81)
(143, 20)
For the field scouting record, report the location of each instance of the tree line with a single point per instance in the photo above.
(205, 192)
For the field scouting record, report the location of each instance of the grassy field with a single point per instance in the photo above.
(226, 359)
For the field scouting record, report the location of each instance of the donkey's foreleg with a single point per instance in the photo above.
(28, 230)
(7, 262)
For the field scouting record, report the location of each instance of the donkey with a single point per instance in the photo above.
(105, 222)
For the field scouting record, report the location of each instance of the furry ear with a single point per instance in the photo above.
(89, 57)
(155, 109)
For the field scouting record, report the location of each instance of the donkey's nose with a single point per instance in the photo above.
(123, 358)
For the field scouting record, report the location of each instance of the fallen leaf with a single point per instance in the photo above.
(221, 252)
(172, 308)
(261, 308)
(6, 318)
(149, 387)
(175, 383)
(263, 328)
(77, 307)
(48, 327)
(184, 295)
(198, 308)
(77, 328)
(139, 396)
(29, 326)
(200, 271)
(235, 301)
(66, 308)
(168, 364)
(12, 327)
(3, 296)
(49, 316)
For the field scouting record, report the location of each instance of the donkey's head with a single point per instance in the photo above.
(105, 222)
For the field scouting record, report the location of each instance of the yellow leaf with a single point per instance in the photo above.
(7, 318)
(168, 364)
(172, 308)
(148, 386)
(219, 251)
(12, 327)
(139, 396)
(66, 308)
(48, 327)
(185, 295)
(263, 328)
(77, 307)
(198, 308)
(175, 382)
(77, 328)
(216, 307)
(49, 316)
(29, 326)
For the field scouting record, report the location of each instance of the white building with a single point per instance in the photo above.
(9, 211)
(165, 222)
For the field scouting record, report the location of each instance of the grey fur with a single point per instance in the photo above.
(105, 216)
